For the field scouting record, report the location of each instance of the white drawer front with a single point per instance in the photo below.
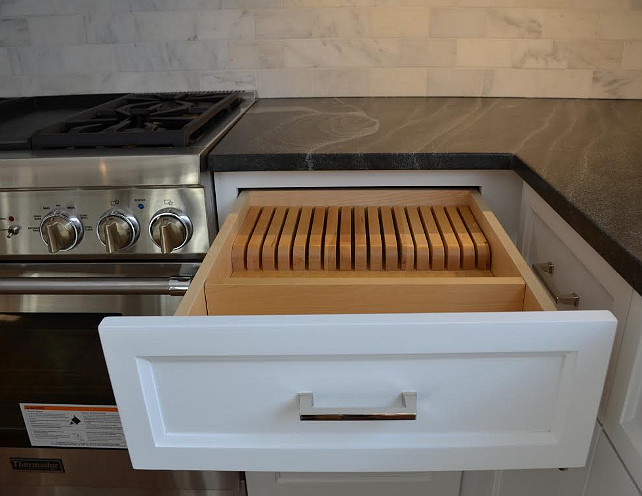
(353, 484)
(494, 391)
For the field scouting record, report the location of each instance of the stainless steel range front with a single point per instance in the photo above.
(87, 232)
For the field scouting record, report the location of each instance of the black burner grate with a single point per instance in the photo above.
(163, 119)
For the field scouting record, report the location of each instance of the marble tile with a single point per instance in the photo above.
(165, 26)
(447, 81)
(254, 55)
(89, 58)
(458, 23)
(587, 54)
(428, 52)
(166, 56)
(12, 86)
(272, 83)
(341, 82)
(483, 53)
(621, 25)
(570, 24)
(172, 81)
(632, 57)
(63, 84)
(550, 83)
(119, 82)
(406, 81)
(57, 30)
(532, 54)
(110, 28)
(25, 7)
(396, 22)
(225, 24)
(252, 4)
(86, 7)
(5, 68)
(309, 23)
(616, 84)
(228, 80)
(341, 53)
(36, 60)
(515, 23)
(14, 32)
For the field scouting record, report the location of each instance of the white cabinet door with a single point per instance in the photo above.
(623, 421)
(493, 390)
(546, 237)
(608, 477)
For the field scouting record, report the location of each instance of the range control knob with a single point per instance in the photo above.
(117, 229)
(61, 230)
(170, 229)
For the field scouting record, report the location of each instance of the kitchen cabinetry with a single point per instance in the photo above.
(608, 476)
(499, 390)
(623, 422)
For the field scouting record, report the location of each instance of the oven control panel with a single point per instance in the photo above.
(104, 223)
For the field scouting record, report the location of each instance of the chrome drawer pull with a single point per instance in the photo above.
(544, 271)
(407, 410)
(175, 286)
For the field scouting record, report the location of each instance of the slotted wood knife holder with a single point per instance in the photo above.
(363, 251)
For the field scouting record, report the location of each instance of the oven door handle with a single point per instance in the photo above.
(176, 286)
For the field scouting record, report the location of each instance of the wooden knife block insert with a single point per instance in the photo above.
(361, 251)
(360, 238)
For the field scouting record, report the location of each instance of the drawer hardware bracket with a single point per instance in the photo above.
(544, 271)
(407, 410)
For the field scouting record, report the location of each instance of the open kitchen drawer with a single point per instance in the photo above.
(307, 355)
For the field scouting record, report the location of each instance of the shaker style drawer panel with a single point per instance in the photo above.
(384, 366)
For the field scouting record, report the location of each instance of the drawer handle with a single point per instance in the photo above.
(544, 271)
(407, 410)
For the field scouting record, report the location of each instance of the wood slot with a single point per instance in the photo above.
(390, 250)
(239, 248)
(284, 251)
(300, 245)
(466, 246)
(315, 246)
(331, 238)
(482, 249)
(404, 238)
(255, 245)
(422, 250)
(360, 239)
(375, 255)
(435, 242)
(345, 239)
(451, 244)
(270, 243)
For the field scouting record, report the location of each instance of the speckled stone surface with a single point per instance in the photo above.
(584, 157)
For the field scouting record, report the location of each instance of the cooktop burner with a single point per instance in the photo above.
(163, 119)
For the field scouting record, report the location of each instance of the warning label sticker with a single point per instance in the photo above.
(79, 426)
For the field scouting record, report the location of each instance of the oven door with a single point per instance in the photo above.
(49, 316)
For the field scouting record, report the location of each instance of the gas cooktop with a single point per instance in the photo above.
(115, 121)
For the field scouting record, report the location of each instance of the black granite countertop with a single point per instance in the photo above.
(584, 157)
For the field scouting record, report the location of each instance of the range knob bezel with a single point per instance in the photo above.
(124, 215)
(68, 216)
(177, 214)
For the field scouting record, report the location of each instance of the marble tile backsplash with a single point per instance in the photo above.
(531, 48)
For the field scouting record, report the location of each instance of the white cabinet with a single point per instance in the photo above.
(623, 421)
(608, 477)
(353, 484)
(546, 237)
(466, 390)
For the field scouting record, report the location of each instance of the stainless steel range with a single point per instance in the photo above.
(106, 208)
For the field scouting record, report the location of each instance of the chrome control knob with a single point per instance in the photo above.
(170, 229)
(61, 230)
(117, 229)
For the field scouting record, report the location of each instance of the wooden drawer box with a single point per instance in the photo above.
(333, 365)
